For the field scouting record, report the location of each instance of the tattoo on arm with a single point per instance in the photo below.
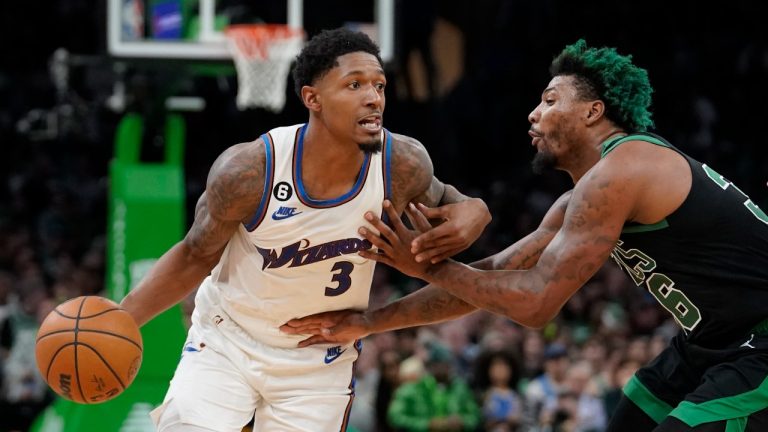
(433, 304)
(234, 189)
(591, 226)
(412, 171)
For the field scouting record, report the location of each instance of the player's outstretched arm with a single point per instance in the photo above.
(460, 219)
(602, 201)
(429, 304)
(233, 192)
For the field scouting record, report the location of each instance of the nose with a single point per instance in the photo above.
(533, 117)
(374, 97)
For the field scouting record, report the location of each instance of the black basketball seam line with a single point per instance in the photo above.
(50, 363)
(103, 360)
(89, 316)
(141, 349)
(77, 370)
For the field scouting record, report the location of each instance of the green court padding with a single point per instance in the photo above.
(146, 217)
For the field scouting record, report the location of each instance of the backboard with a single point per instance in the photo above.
(192, 29)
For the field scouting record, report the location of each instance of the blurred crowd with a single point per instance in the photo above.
(467, 101)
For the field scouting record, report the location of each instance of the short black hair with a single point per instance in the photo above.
(602, 73)
(320, 54)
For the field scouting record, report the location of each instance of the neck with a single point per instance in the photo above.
(329, 166)
(333, 155)
(609, 135)
(592, 152)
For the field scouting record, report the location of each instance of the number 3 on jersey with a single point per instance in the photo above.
(723, 183)
(344, 269)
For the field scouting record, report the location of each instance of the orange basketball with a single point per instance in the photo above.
(88, 349)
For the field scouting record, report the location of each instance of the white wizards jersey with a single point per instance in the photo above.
(298, 256)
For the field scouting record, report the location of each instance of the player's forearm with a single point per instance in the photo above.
(428, 305)
(518, 295)
(169, 281)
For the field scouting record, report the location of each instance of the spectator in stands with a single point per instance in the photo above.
(439, 401)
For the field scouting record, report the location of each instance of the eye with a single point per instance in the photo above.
(549, 101)
(354, 85)
(380, 86)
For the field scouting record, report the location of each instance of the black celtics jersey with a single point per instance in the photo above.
(707, 262)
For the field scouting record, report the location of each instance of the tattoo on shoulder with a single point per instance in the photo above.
(412, 171)
(236, 181)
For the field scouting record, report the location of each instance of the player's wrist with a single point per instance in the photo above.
(371, 320)
(433, 273)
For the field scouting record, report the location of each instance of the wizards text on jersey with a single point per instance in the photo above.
(301, 253)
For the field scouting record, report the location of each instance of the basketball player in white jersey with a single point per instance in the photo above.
(275, 237)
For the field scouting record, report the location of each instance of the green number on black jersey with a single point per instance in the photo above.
(673, 300)
(644, 265)
(723, 183)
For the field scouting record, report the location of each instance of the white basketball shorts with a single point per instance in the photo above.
(220, 386)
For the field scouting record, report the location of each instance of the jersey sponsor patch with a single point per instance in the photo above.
(333, 353)
(285, 213)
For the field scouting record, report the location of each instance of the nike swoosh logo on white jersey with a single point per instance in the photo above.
(284, 213)
(333, 356)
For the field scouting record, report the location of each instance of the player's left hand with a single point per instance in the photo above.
(394, 243)
(463, 224)
(339, 327)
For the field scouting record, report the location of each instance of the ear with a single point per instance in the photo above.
(311, 98)
(595, 113)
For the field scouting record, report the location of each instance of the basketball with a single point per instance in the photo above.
(88, 349)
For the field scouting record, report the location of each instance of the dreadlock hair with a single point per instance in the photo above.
(321, 54)
(601, 73)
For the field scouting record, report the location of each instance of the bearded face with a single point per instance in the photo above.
(371, 147)
(543, 161)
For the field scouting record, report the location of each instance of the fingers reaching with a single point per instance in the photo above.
(417, 218)
(394, 218)
(444, 235)
(306, 325)
(431, 212)
(378, 242)
(384, 259)
(312, 340)
(384, 230)
(437, 254)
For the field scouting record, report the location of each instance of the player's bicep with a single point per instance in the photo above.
(208, 234)
(412, 174)
(233, 192)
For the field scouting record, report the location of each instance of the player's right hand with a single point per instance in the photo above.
(338, 327)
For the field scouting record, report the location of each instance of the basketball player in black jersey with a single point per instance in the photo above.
(682, 231)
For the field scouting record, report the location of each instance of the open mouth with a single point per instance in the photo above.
(372, 123)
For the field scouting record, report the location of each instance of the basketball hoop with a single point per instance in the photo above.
(263, 54)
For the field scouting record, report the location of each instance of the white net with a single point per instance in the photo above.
(263, 54)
